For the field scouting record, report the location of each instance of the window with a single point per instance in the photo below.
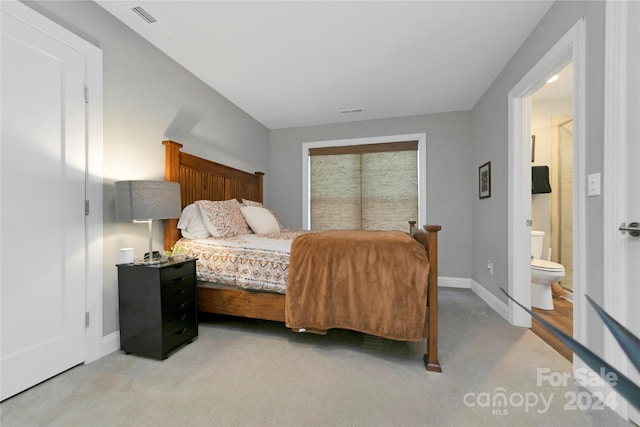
(368, 184)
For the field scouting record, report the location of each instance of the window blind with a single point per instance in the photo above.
(371, 187)
(365, 148)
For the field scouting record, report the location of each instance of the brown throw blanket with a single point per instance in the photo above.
(369, 281)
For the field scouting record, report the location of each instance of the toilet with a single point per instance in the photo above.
(543, 274)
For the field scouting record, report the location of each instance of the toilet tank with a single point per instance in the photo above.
(537, 238)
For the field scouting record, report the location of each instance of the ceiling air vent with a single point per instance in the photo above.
(144, 14)
(352, 110)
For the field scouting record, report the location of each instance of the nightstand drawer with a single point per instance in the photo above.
(178, 318)
(179, 337)
(177, 283)
(177, 291)
(176, 271)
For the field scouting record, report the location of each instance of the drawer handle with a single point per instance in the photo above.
(181, 291)
(179, 266)
(184, 316)
(181, 331)
(184, 304)
(178, 279)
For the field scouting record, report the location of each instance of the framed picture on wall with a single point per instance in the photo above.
(484, 180)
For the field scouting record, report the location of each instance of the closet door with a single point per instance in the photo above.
(622, 185)
(632, 196)
(42, 180)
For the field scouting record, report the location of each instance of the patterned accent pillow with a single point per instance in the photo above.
(223, 218)
(252, 203)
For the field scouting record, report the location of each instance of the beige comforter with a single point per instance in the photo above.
(369, 281)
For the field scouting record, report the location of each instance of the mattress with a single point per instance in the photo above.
(258, 262)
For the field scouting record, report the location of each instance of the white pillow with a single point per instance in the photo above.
(260, 219)
(191, 223)
(252, 203)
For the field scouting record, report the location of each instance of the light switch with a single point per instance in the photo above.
(593, 184)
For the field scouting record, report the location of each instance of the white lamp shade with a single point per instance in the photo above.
(147, 200)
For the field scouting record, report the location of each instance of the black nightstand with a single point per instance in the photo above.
(158, 307)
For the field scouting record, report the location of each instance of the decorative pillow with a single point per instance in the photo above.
(223, 218)
(260, 219)
(252, 203)
(191, 223)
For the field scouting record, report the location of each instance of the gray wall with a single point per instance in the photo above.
(450, 178)
(490, 127)
(148, 98)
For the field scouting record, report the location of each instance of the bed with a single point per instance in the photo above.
(204, 180)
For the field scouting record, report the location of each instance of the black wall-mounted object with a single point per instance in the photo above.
(540, 180)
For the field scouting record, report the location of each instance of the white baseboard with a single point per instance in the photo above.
(110, 343)
(493, 301)
(454, 282)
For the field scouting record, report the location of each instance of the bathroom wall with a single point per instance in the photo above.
(562, 200)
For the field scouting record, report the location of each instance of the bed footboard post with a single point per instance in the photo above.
(431, 362)
(171, 173)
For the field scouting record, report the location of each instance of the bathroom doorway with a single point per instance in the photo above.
(569, 49)
(552, 205)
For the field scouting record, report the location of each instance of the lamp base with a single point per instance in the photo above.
(142, 261)
(156, 258)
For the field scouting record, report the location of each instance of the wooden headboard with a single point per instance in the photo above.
(202, 179)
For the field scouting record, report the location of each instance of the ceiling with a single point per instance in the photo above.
(561, 88)
(299, 63)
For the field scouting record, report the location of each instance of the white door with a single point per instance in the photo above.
(42, 181)
(622, 181)
(633, 184)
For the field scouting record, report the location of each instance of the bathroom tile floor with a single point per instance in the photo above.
(562, 318)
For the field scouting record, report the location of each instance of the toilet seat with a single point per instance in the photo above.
(543, 265)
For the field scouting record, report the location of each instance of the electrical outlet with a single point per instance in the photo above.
(490, 267)
(593, 184)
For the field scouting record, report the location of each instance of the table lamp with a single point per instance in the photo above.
(144, 201)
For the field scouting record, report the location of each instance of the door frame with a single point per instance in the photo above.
(93, 166)
(570, 48)
(615, 190)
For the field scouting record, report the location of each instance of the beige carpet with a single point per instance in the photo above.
(257, 373)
